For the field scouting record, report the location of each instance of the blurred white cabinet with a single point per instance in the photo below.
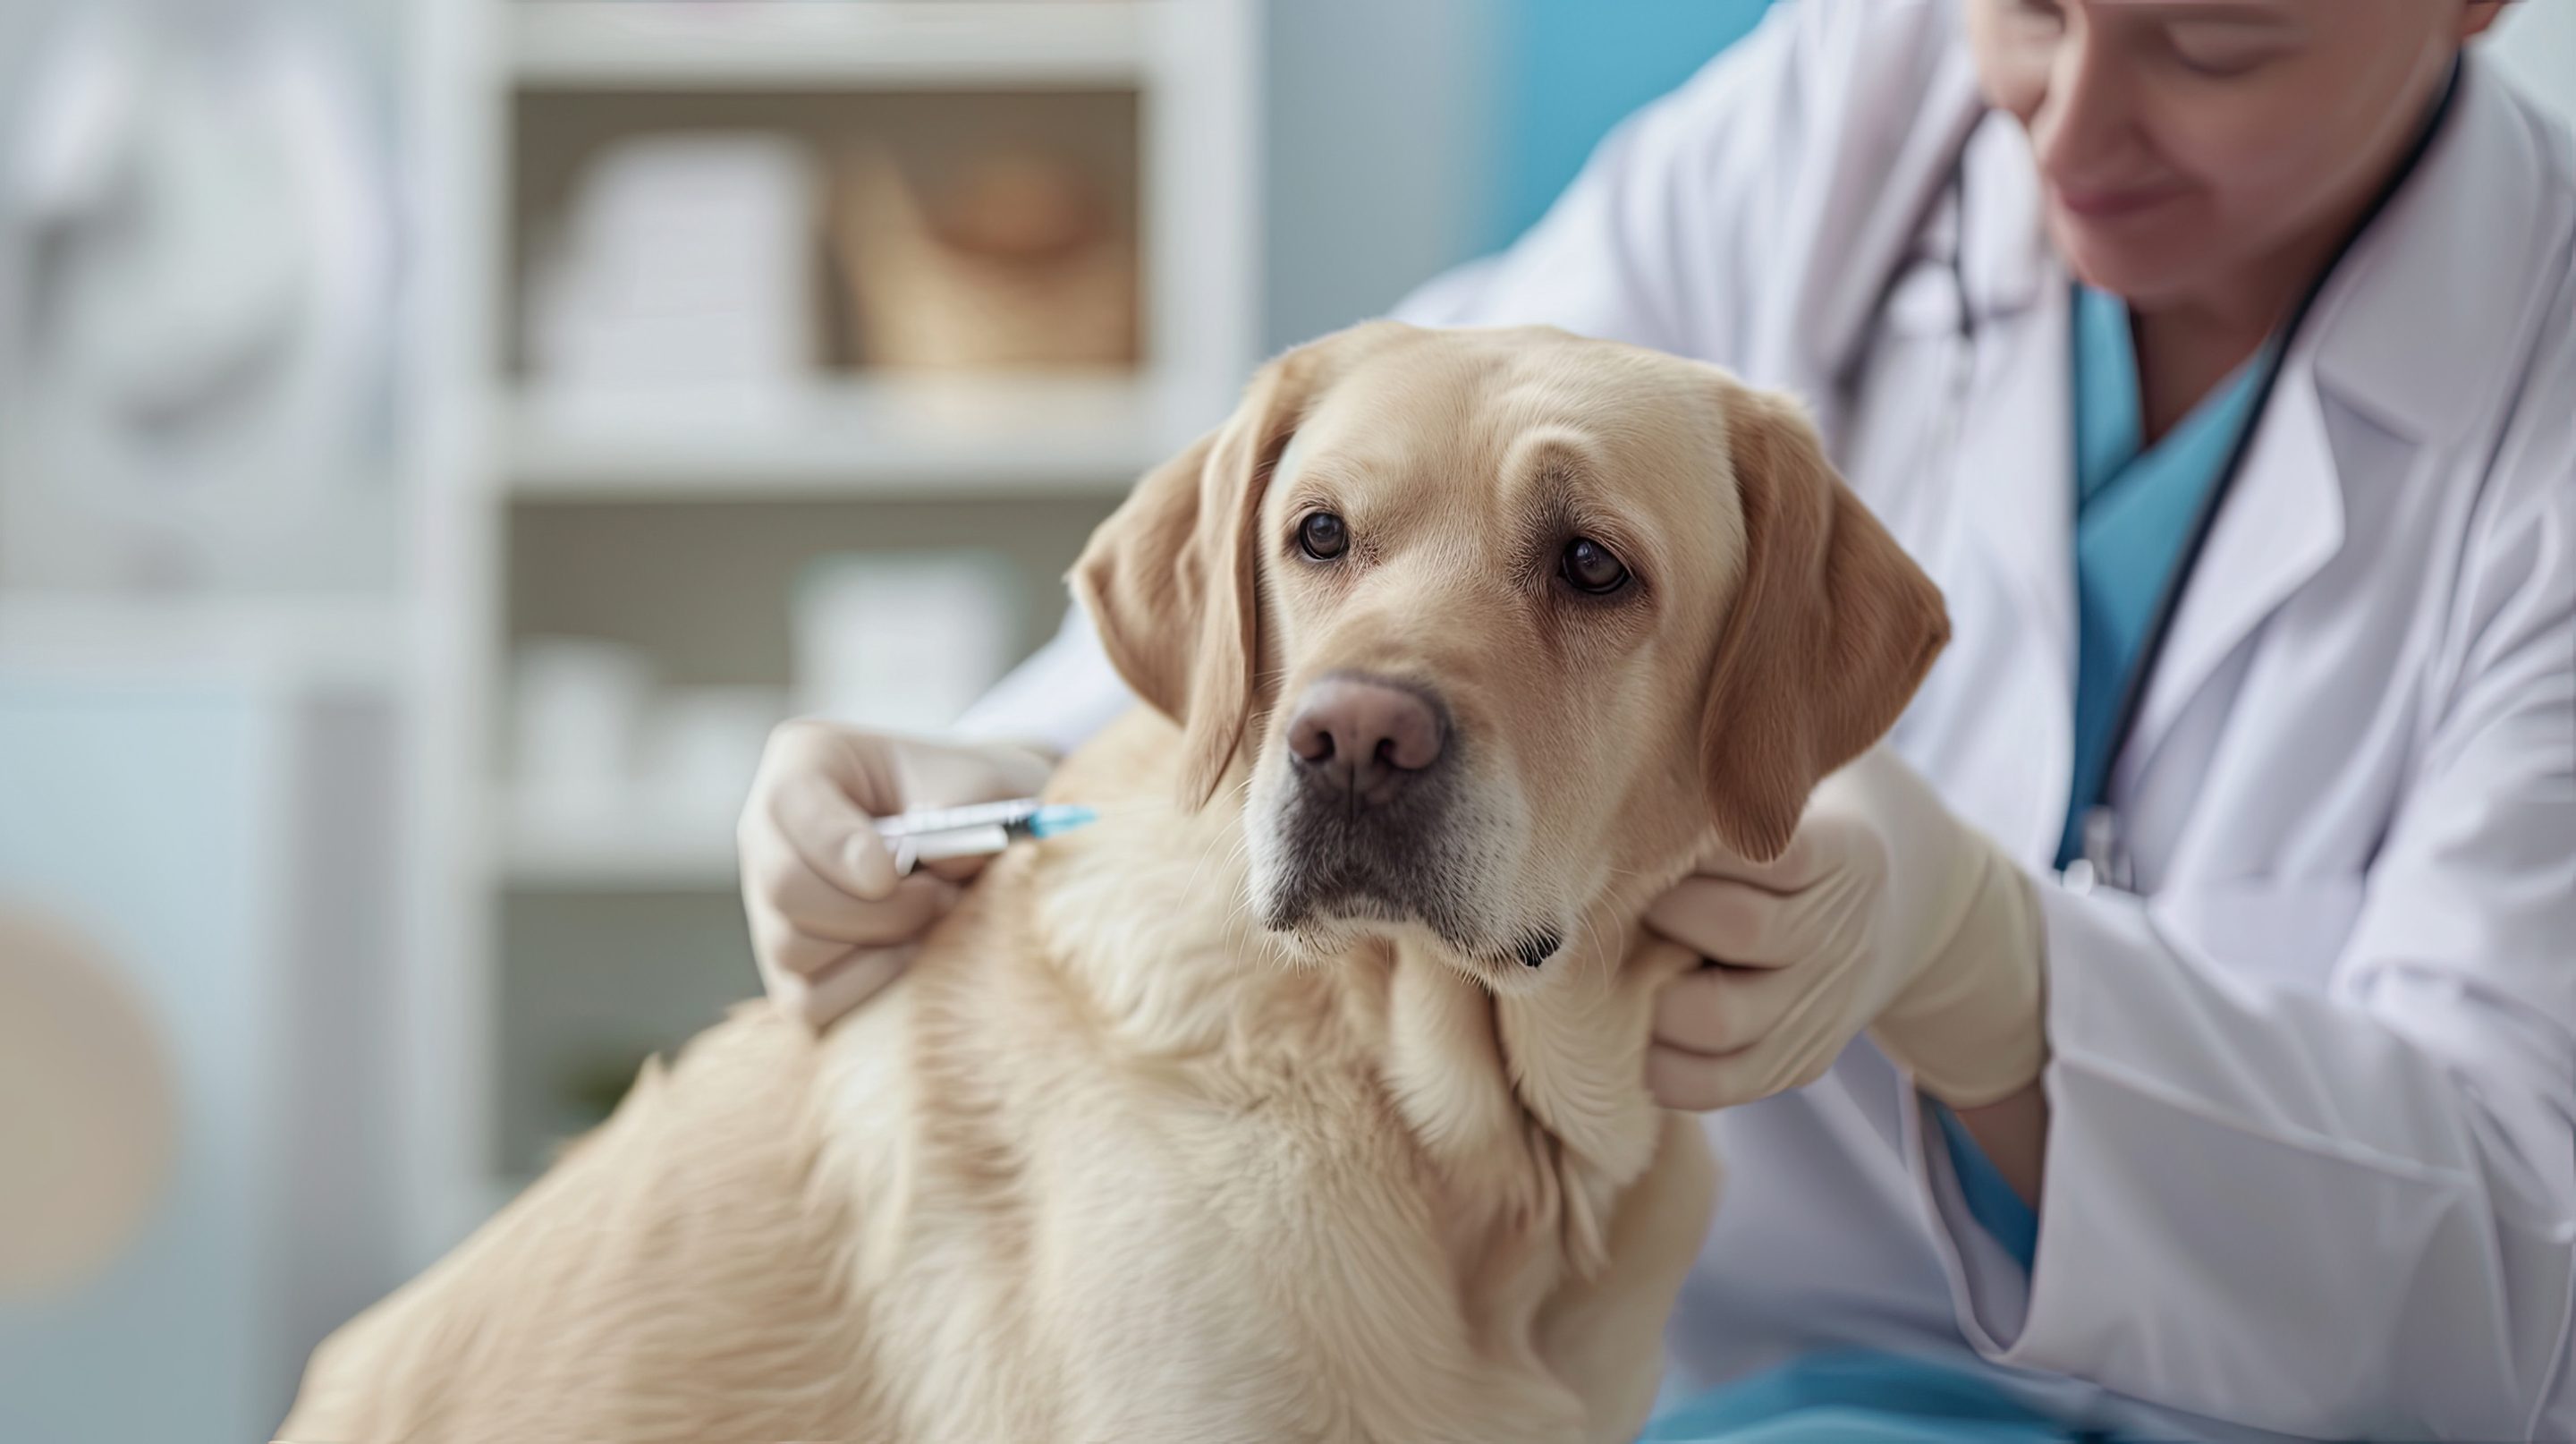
(224, 834)
(547, 958)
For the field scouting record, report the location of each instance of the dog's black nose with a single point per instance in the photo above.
(1358, 737)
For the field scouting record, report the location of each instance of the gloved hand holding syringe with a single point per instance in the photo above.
(974, 831)
(832, 919)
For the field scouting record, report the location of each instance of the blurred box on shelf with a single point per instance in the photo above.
(1012, 259)
(903, 642)
(579, 719)
(600, 747)
(683, 269)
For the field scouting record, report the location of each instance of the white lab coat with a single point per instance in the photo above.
(2312, 1170)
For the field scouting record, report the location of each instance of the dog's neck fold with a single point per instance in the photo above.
(1535, 1102)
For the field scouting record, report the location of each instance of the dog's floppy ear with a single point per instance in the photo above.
(1171, 579)
(1832, 629)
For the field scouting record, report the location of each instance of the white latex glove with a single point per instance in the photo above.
(831, 923)
(1885, 912)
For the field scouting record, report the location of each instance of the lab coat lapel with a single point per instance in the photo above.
(2016, 444)
(2282, 522)
(2015, 458)
(2393, 345)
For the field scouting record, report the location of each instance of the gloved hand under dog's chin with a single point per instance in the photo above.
(1885, 913)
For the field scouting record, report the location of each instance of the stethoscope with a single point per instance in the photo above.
(2103, 858)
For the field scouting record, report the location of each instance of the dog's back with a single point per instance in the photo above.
(677, 1257)
(756, 1246)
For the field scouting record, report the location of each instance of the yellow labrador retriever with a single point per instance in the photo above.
(1302, 1097)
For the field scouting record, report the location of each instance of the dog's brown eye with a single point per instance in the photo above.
(1590, 567)
(1322, 535)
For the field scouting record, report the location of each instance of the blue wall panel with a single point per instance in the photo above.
(1571, 69)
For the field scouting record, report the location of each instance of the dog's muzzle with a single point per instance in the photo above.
(1371, 826)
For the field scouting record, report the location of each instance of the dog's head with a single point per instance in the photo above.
(1500, 619)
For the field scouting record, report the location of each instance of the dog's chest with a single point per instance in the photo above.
(1241, 1245)
(1274, 1269)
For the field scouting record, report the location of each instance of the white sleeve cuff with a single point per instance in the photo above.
(2232, 1222)
(1987, 1285)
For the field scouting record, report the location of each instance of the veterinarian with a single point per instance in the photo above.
(2218, 893)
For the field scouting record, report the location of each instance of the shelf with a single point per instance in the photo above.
(805, 44)
(354, 641)
(643, 852)
(982, 437)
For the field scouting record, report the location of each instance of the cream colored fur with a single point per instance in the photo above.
(1113, 1163)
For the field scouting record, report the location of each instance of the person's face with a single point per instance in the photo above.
(2182, 144)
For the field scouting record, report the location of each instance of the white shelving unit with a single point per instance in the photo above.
(801, 44)
(348, 644)
(643, 853)
(1008, 436)
(1035, 456)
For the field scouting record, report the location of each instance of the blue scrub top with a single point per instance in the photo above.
(2134, 507)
